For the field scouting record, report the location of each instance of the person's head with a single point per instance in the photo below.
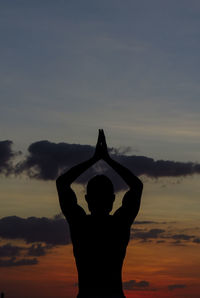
(100, 195)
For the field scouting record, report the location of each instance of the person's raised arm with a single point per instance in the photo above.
(131, 180)
(67, 197)
(131, 201)
(68, 178)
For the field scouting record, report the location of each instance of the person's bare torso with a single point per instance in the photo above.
(99, 245)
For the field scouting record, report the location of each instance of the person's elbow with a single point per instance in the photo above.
(137, 186)
(141, 185)
(62, 181)
(59, 181)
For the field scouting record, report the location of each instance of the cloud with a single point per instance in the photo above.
(46, 160)
(182, 237)
(6, 156)
(9, 250)
(21, 262)
(49, 231)
(38, 250)
(160, 241)
(176, 286)
(134, 285)
(151, 234)
(147, 222)
(196, 240)
(33, 229)
(179, 239)
(178, 243)
(162, 235)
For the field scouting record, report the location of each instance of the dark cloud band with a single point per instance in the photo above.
(21, 262)
(134, 285)
(176, 286)
(6, 156)
(56, 231)
(46, 160)
(33, 229)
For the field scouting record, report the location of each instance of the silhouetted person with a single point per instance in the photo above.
(99, 240)
(2, 295)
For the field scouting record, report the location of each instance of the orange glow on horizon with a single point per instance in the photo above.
(56, 276)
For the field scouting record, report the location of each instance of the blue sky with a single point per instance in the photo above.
(130, 67)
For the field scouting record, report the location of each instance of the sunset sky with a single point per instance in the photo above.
(69, 67)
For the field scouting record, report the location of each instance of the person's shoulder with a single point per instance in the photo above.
(130, 207)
